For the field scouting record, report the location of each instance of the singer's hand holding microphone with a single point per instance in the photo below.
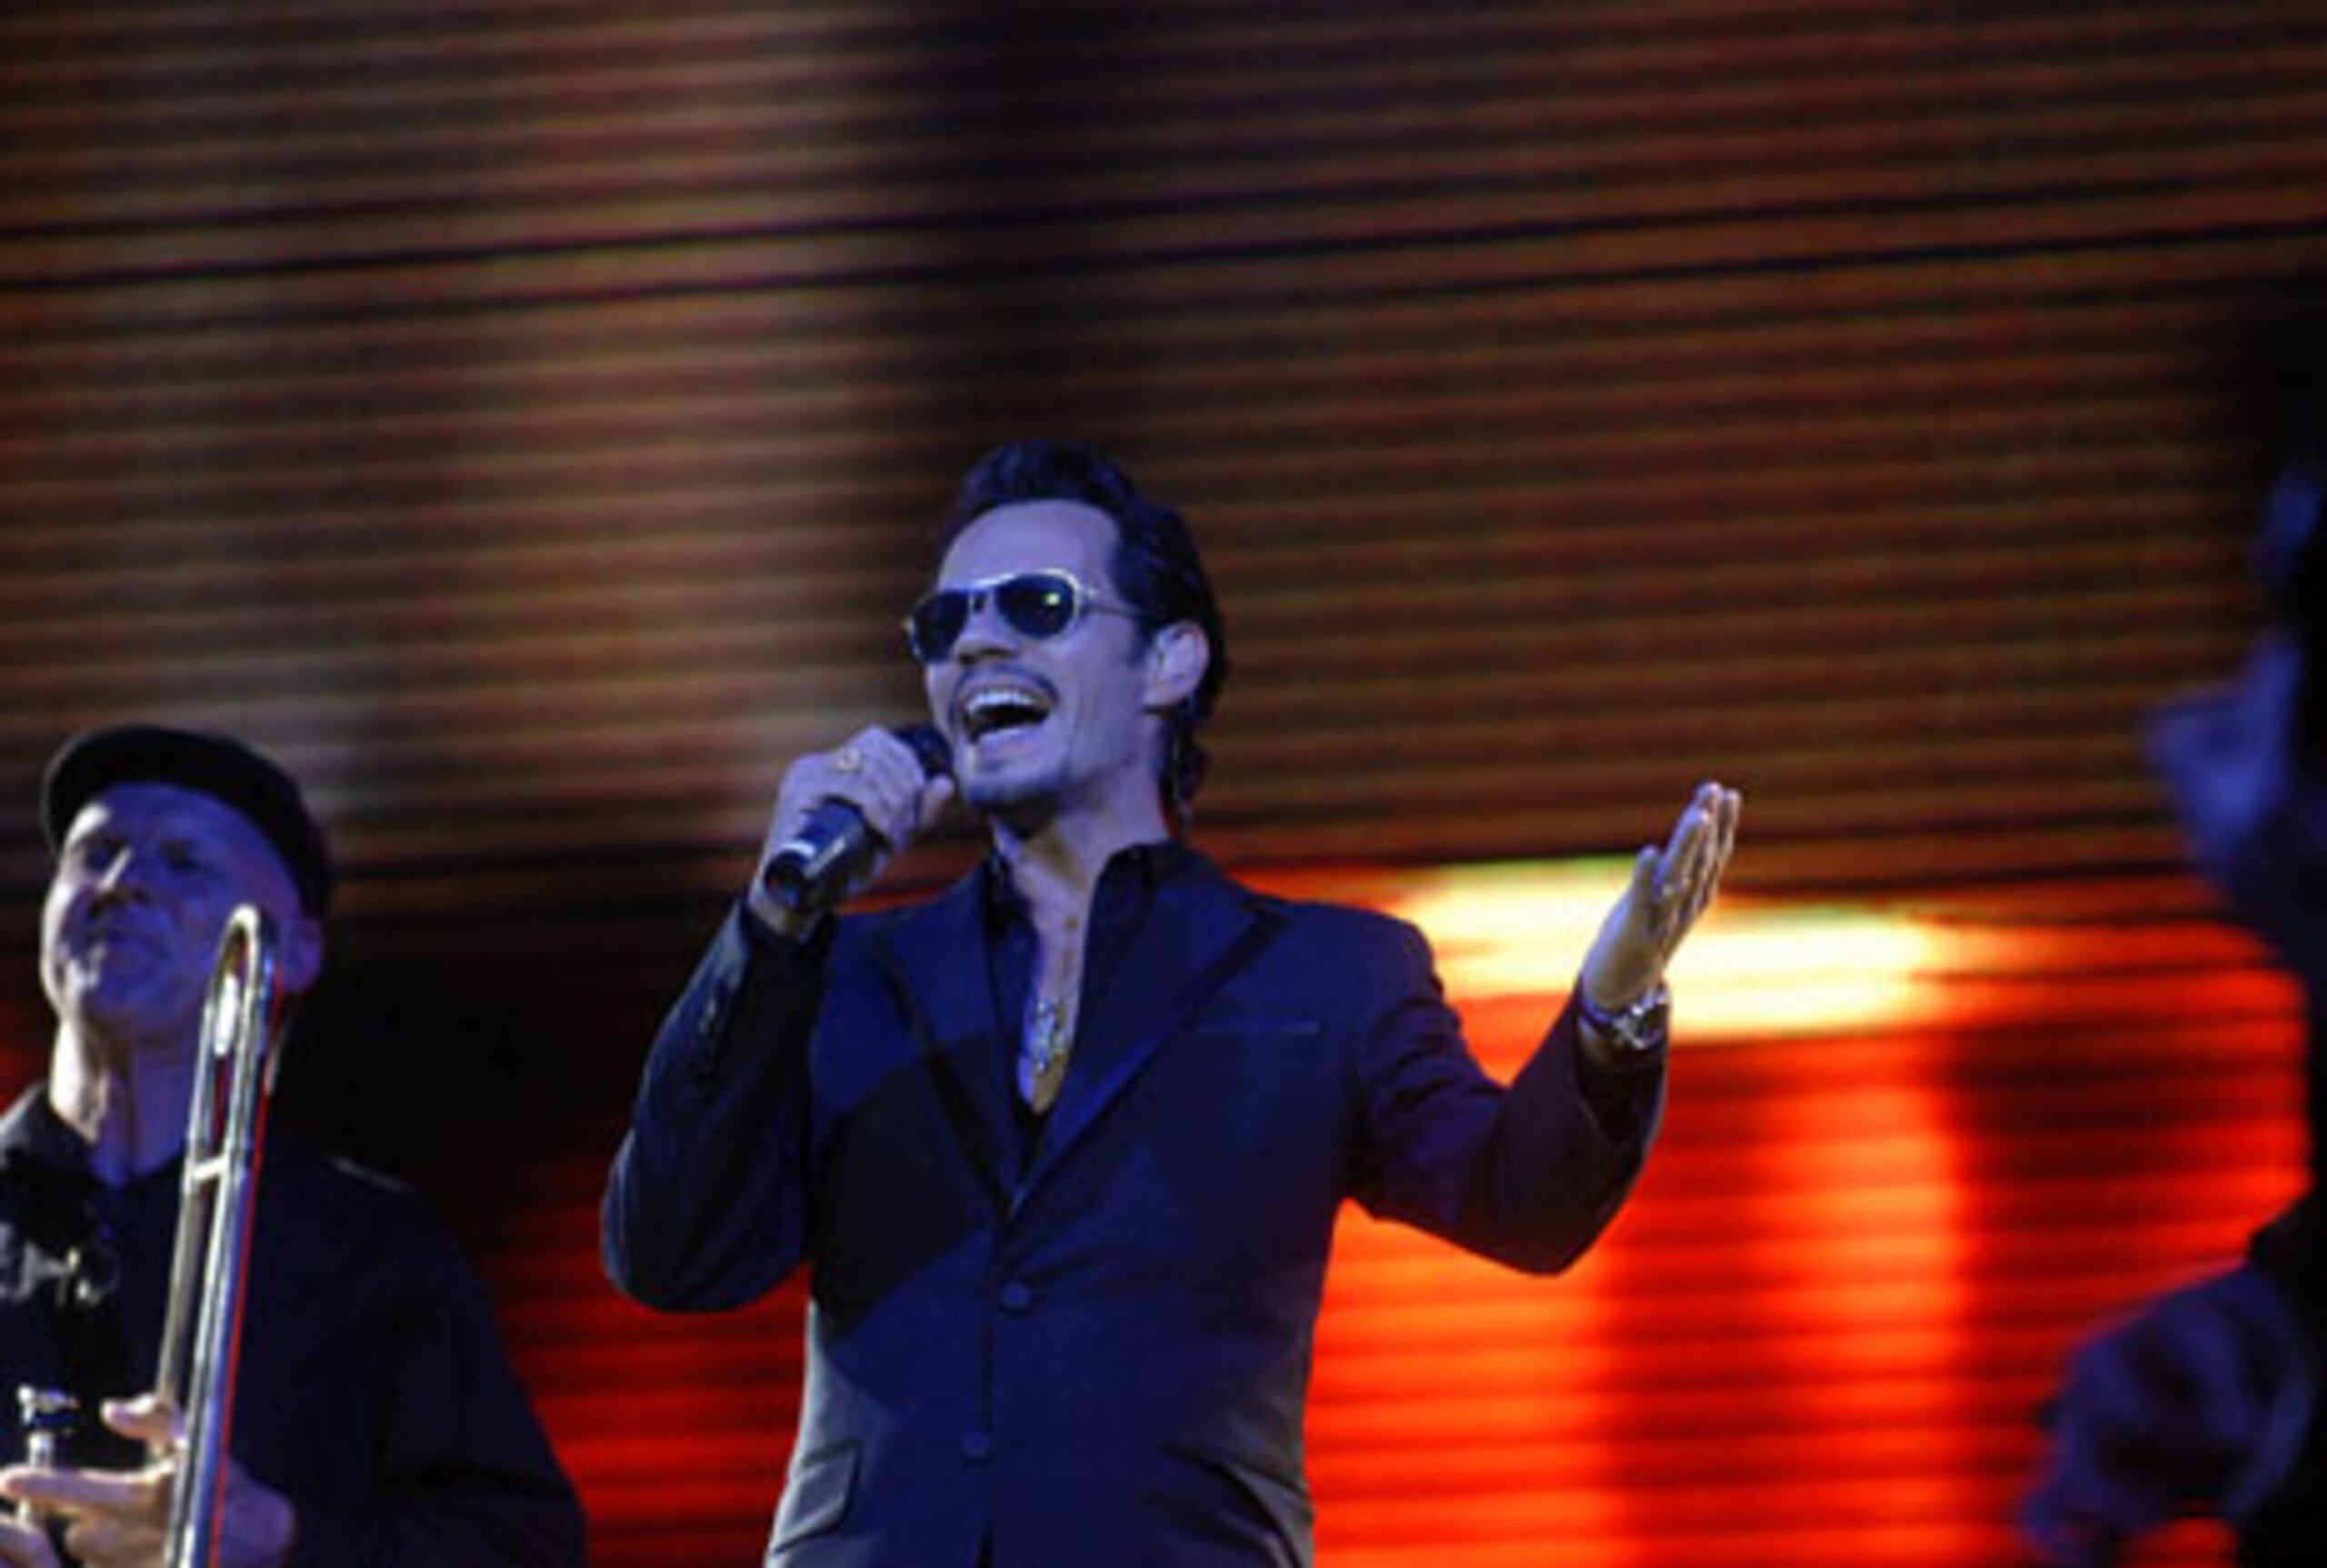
(841, 815)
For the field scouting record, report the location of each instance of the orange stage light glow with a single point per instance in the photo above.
(1943, 1141)
(1517, 928)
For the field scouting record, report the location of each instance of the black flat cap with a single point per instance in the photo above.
(216, 766)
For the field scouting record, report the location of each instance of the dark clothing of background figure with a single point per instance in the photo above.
(2245, 762)
(2207, 1399)
(373, 1390)
(2287, 1526)
(1086, 1341)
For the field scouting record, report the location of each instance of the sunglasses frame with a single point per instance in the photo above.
(1081, 601)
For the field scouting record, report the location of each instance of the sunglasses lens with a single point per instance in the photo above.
(936, 624)
(1037, 603)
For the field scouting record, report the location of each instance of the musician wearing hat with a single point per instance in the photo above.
(375, 1419)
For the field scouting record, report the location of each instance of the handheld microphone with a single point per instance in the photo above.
(810, 870)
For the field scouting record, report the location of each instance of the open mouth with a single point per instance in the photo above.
(1006, 709)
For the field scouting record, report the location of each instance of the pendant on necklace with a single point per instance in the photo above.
(1042, 1052)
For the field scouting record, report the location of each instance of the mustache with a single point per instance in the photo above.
(112, 925)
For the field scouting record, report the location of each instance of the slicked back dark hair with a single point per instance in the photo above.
(1155, 567)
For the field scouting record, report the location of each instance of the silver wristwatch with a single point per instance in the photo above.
(1637, 1027)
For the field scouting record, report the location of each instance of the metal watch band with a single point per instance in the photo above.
(1638, 1025)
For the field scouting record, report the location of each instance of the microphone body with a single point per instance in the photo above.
(810, 871)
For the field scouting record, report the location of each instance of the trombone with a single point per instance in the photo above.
(235, 1069)
(235, 1072)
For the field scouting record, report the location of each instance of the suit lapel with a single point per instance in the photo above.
(935, 961)
(1200, 929)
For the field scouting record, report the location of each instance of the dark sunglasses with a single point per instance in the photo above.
(1037, 606)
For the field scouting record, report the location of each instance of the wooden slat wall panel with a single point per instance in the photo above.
(524, 419)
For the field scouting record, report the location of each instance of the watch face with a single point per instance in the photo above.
(1640, 1026)
(1637, 1027)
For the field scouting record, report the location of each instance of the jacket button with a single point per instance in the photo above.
(977, 1447)
(1017, 1296)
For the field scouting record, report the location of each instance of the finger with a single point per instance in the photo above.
(1684, 874)
(1694, 836)
(1667, 893)
(897, 781)
(1730, 806)
(1718, 807)
(102, 1542)
(24, 1546)
(1707, 851)
(1625, 959)
(1689, 827)
(1648, 876)
(885, 765)
(1703, 874)
(815, 779)
(936, 794)
(147, 1418)
(121, 1492)
(874, 771)
(1724, 845)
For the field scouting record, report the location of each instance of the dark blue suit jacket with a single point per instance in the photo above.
(1098, 1355)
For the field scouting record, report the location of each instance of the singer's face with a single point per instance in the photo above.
(144, 881)
(1044, 726)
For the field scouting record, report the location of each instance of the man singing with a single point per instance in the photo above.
(1063, 1145)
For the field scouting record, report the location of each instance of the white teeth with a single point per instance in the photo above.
(997, 706)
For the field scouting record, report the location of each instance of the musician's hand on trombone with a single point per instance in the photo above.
(120, 1518)
(24, 1545)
